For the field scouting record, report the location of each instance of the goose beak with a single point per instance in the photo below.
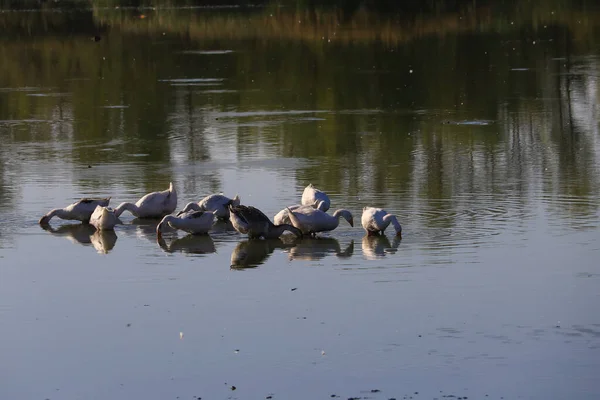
(44, 220)
(352, 222)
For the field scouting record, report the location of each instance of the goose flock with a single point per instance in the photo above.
(308, 218)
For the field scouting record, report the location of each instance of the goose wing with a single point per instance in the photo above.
(372, 219)
(250, 214)
(155, 200)
(195, 214)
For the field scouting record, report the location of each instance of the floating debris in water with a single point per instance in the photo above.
(206, 52)
(481, 122)
(191, 80)
(49, 94)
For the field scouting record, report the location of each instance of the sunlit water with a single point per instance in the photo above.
(484, 143)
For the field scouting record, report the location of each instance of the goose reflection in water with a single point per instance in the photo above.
(192, 244)
(252, 253)
(104, 241)
(312, 249)
(85, 234)
(378, 246)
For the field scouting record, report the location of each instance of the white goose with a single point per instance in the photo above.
(315, 198)
(196, 222)
(80, 211)
(375, 220)
(152, 205)
(213, 202)
(311, 220)
(104, 218)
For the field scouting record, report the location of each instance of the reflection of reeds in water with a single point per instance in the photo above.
(334, 26)
(306, 25)
(535, 146)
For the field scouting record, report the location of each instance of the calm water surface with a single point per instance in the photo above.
(477, 126)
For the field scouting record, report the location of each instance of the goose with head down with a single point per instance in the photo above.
(250, 220)
(81, 210)
(152, 205)
(214, 202)
(315, 198)
(195, 222)
(104, 218)
(311, 220)
(376, 220)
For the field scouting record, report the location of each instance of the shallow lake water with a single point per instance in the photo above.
(477, 126)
